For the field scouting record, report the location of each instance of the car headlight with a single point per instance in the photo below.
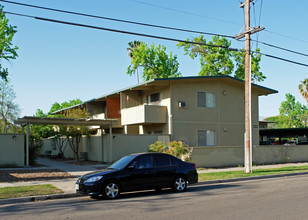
(93, 179)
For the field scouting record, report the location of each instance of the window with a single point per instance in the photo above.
(162, 160)
(153, 98)
(206, 99)
(206, 138)
(144, 162)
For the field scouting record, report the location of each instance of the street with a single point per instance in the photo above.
(276, 198)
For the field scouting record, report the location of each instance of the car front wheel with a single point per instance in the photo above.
(111, 190)
(179, 184)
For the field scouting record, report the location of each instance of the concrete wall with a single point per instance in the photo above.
(219, 156)
(50, 145)
(12, 150)
(98, 147)
(128, 144)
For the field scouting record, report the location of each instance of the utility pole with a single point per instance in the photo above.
(248, 135)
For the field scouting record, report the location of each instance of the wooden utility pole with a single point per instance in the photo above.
(246, 34)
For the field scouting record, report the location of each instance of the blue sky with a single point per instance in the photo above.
(57, 62)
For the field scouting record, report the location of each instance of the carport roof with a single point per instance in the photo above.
(286, 132)
(65, 121)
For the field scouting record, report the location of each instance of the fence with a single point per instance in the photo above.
(12, 150)
(98, 148)
(224, 156)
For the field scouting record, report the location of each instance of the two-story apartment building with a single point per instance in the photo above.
(201, 111)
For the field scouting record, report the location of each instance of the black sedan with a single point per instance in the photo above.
(139, 172)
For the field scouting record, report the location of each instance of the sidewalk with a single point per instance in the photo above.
(66, 185)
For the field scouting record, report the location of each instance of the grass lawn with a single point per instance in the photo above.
(23, 191)
(256, 172)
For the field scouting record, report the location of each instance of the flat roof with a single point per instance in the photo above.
(284, 132)
(65, 121)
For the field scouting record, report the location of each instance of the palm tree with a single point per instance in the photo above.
(132, 45)
(303, 89)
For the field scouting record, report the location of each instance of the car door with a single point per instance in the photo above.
(165, 170)
(140, 174)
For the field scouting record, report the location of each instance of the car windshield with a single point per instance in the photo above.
(121, 163)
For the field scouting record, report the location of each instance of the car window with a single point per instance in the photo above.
(174, 161)
(144, 162)
(162, 160)
(121, 163)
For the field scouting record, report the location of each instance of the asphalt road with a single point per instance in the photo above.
(277, 198)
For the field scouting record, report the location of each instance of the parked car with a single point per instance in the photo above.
(139, 172)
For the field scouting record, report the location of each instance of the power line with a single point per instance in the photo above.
(286, 60)
(118, 31)
(286, 36)
(281, 48)
(145, 24)
(183, 12)
(114, 19)
(145, 35)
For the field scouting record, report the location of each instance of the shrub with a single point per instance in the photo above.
(175, 148)
(157, 147)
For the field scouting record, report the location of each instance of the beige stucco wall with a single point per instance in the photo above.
(93, 146)
(183, 123)
(50, 145)
(12, 150)
(98, 147)
(280, 153)
(47, 145)
(227, 118)
(219, 156)
(126, 144)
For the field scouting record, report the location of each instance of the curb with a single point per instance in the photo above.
(72, 195)
(39, 198)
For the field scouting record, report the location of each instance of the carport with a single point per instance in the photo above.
(27, 120)
(283, 133)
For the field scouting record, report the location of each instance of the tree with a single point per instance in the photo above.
(303, 89)
(292, 114)
(61, 140)
(41, 131)
(57, 106)
(217, 61)
(239, 57)
(7, 50)
(214, 61)
(75, 133)
(154, 61)
(59, 132)
(9, 110)
(132, 45)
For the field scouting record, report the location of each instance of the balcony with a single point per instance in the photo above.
(144, 114)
